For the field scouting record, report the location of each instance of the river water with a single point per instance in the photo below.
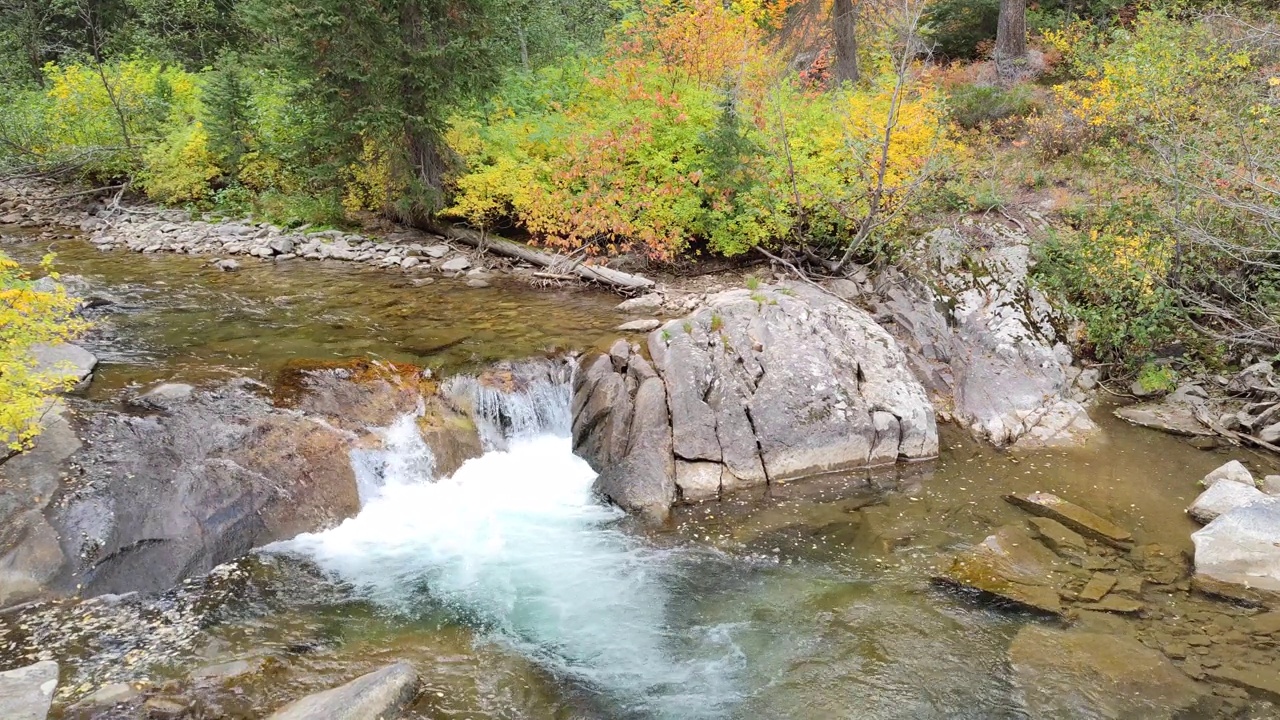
(515, 593)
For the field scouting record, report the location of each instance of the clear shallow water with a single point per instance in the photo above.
(518, 597)
(178, 317)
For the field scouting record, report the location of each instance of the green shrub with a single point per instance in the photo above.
(972, 106)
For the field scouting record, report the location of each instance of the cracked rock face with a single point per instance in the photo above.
(758, 387)
(983, 338)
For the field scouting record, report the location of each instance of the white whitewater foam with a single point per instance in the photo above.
(515, 545)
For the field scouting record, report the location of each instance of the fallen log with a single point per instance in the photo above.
(556, 264)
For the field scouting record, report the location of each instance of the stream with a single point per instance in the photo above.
(513, 591)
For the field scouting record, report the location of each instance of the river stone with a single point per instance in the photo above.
(1238, 554)
(227, 265)
(1221, 497)
(380, 695)
(1093, 676)
(457, 264)
(1271, 484)
(643, 305)
(639, 325)
(1073, 516)
(26, 693)
(105, 697)
(65, 360)
(280, 245)
(1010, 566)
(1235, 471)
(164, 395)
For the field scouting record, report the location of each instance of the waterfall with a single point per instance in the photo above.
(516, 546)
(518, 400)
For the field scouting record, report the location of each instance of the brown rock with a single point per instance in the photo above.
(1063, 674)
(1073, 516)
(1265, 624)
(1010, 566)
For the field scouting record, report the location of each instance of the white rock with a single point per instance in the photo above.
(1220, 498)
(1235, 471)
(644, 304)
(1271, 484)
(1238, 555)
(409, 262)
(27, 692)
(437, 251)
(457, 264)
(640, 325)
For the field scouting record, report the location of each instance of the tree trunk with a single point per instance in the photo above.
(1011, 40)
(844, 26)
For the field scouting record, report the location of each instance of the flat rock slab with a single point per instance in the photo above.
(1097, 587)
(1073, 516)
(27, 692)
(1238, 554)
(1010, 566)
(1058, 537)
(1064, 674)
(1171, 417)
(380, 694)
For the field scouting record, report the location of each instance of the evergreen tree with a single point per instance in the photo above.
(387, 72)
(226, 106)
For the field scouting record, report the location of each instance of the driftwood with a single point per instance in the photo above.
(555, 264)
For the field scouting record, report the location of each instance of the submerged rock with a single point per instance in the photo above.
(381, 694)
(1073, 516)
(1082, 675)
(760, 387)
(1011, 567)
(1238, 554)
(27, 692)
(1261, 681)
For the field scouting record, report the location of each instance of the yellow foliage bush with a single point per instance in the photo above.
(28, 317)
(371, 182)
(691, 133)
(179, 169)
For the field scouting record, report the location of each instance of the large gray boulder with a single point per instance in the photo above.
(1238, 554)
(65, 360)
(27, 692)
(984, 340)
(760, 387)
(1092, 676)
(380, 695)
(1222, 497)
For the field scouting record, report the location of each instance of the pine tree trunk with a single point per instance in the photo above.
(1011, 39)
(844, 26)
